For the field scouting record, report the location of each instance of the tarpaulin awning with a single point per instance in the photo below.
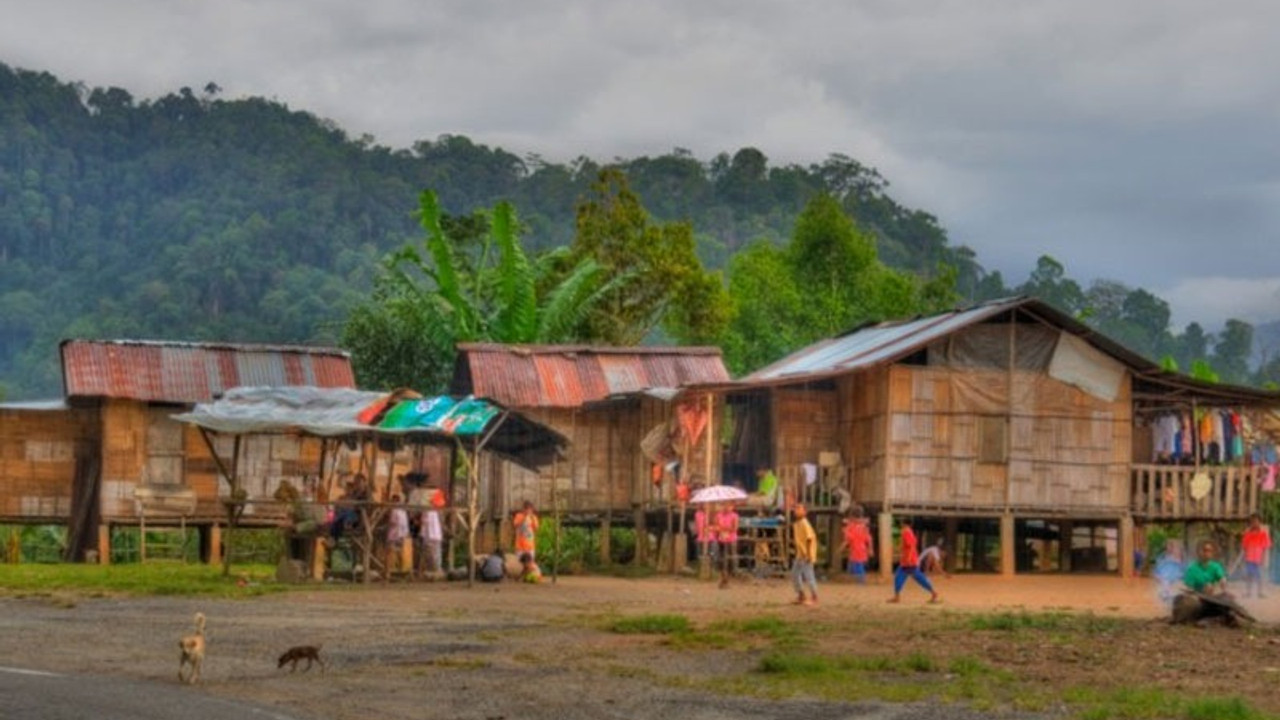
(335, 412)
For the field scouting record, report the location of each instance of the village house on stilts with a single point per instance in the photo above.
(109, 454)
(606, 401)
(1028, 440)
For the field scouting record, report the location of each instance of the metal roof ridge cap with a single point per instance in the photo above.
(210, 345)
(541, 349)
(981, 313)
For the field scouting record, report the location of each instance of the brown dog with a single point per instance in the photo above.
(310, 653)
(192, 647)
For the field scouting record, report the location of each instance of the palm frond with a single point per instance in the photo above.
(517, 316)
(573, 299)
(448, 284)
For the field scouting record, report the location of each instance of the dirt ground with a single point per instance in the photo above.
(443, 650)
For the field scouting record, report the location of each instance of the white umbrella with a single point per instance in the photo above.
(718, 493)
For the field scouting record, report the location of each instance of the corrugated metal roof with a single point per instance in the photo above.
(889, 341)
(566, 376)
(183, 372)
(872, 345)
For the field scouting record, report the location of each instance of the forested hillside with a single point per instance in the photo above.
(195, 217)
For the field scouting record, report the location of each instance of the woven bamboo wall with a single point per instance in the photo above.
(37, 460)
(266, 461)
(130, 434)
(605, 469)
(124, 448)
(1065, 448)
(805, 424)
(863, 401)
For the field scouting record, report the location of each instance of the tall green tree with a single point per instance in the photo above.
(825, 281)
(1049, 282)
(658, 279)
(1232, 351)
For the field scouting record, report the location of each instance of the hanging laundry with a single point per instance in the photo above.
(810, 473)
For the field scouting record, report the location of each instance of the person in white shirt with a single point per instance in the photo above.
(933, 557)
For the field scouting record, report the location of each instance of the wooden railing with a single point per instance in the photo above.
(824, 493)
(1175, 492)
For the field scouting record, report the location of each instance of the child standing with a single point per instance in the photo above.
(857, 539)
(806, 547)
(727, 535)
(1256, 542)
(526, 528)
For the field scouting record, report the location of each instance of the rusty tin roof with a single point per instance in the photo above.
(568, 376)
(184, 372)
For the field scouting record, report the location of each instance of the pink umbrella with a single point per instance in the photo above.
(718, 494)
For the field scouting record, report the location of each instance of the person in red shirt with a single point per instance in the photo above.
(857, 539)
(909, 565)
(1255, 543)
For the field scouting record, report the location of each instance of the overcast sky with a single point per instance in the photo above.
(1133, 141)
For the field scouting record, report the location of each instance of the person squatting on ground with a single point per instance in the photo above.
(909, 565)
(933, 558)
(806, 549)
(494, 567)
(857, 540)
(1255, 543)
(529, 570)
(1208, 578)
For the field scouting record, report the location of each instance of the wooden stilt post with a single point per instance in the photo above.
(1007, 555)
(884, 547)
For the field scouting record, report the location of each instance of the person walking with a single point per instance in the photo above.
(909, 565)
(806, 549)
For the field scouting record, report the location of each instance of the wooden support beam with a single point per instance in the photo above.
(104, 544)
(1126, 545)
(884, 548)
(1008, 568)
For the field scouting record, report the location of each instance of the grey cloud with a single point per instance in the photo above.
(1132, 141)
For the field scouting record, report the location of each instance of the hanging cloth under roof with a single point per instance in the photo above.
(693, 417)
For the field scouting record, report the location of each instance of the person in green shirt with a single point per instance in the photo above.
(1206, 574)
(1206, 598)
(766, 493)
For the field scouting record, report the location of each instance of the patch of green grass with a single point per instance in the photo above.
(704, 640)
(1086, 623)
(158, 578)
(651, 625)
(783, 634)
(1129, 702)
(1232, 708)
(793, 664)
(966, 666)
